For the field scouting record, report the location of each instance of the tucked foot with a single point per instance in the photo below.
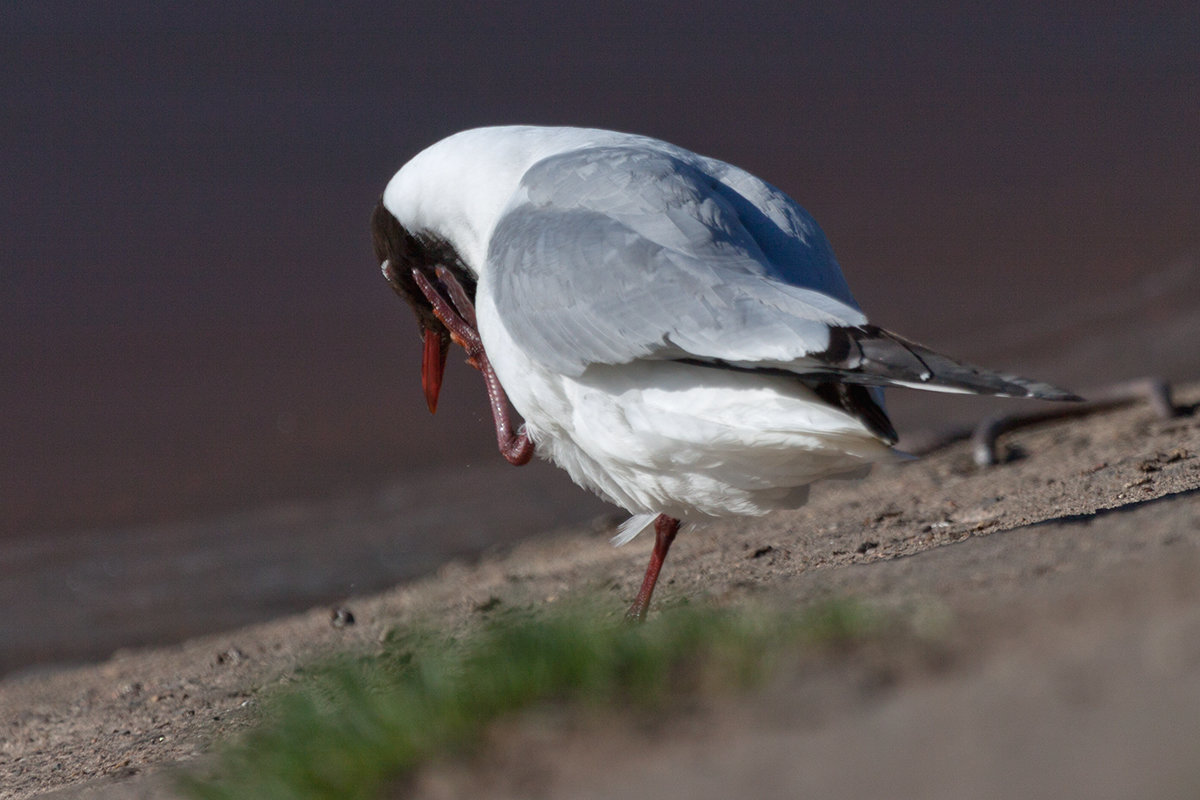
(457, 313)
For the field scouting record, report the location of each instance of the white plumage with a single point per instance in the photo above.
(675, 332)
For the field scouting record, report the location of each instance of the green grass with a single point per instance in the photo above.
(352, 726)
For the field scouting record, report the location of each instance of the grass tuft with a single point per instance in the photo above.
(355, 724)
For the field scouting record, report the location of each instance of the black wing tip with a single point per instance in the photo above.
(1021, 388)
(876, 355)
(858, 402)
(1057, 395)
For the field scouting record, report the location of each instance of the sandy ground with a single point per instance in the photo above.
(1055, 599)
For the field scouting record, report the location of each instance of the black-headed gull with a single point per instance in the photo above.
(674, 331)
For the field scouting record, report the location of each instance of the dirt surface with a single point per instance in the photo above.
(1056, 596)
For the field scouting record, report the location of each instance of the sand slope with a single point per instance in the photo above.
(1063, 655)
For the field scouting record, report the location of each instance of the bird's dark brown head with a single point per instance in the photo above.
(400, 252)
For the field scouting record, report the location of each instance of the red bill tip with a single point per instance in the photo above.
(433, 365)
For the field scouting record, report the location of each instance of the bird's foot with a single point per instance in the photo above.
(457, 312)
(458, 315)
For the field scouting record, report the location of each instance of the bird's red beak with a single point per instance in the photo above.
(433, 365)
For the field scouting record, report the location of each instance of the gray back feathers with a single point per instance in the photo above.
(614, 254)
(611, 254)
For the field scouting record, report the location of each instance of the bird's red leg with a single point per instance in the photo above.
(517, 447)
(665, 529)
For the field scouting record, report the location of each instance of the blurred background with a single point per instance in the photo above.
(210, 406)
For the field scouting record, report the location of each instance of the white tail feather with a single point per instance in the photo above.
(631, 527)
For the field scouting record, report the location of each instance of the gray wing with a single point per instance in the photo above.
(620, 253)
(612, 254)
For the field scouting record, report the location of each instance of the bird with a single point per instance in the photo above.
(674, 332)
